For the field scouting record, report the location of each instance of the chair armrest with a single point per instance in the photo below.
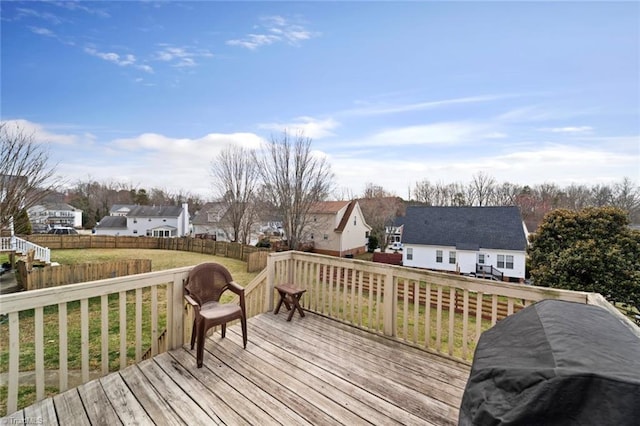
(191, 301)
(236, 288)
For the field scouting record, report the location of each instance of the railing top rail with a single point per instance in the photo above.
(16, 302)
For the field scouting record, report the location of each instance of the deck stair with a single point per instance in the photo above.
(22, 247)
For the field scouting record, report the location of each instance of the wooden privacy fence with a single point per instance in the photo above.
(196, 245)
(257, 261)
(54, 276)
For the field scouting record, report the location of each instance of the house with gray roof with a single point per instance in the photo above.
(46, 215)
(150, 221)
(465, 240)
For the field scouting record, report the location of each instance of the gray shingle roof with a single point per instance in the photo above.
(155, 211)
(466, 228)
(119, 222)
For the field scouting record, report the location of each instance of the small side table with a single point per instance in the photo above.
(290, 296)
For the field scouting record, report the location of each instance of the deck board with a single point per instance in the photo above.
(309, 371)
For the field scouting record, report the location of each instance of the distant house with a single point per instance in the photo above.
(51, 215)
(151, 221)
(338, 228)
(121, 209)
(209, 221)
(465, 239)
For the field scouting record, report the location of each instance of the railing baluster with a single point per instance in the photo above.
(14, 362)
(39, 351)
(427, 315)
(494, 309)
(405, 314)
(465, 322)
(416, 310)
(509, 306)
(331, 280)
(439, 320)
(62, 336)
(360, 301)
(379, 307)
(452, 317)
(84, 339)
(154, 320)
(479, 307)
(123, 329)
(104, 333)
(138, 324)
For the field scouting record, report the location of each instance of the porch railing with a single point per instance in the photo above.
(64, 322)
(438, 312)
(490, 271)
(21, 246)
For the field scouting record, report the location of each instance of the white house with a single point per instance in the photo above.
(50, 215)
(337, 228)
(467, 240)
(151, 221)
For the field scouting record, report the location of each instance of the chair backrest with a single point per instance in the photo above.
(207, 281)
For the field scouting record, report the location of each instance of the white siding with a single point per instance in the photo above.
(425, 257)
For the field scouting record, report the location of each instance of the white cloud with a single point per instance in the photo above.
(569, 129)
(42, 31)
(309, 126)
(378, 109)
(274, 29)
(121, 60)
(183, 56)
(430, 134)
(39, 133)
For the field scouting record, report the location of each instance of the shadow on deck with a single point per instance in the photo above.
(310, 371)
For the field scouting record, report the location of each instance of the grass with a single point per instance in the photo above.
(160, 260)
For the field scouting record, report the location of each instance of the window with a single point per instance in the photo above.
(312, 236)
(409, 254)
(509, 263)
(452, 257)
(354, 220)
(325, 236)
(438, 256)
(135, 231)
(481, 258)
(500, 261)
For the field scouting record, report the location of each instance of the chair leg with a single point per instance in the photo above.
(223, 330)
(193, 334)
(200, 351)
(243, 322)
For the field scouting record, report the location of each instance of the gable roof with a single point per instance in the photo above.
(114, 222)
(155, 211)
(121, 207)
(345, 217)
(466, 228)
(328, 207)
(202, 216)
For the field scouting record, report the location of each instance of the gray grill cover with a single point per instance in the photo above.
(555, 363)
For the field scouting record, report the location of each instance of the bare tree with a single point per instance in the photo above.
(294, 180)
(380, 209)
(25, 173)
(482, 187)
(235, 179)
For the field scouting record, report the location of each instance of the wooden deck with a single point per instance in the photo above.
(312, 370)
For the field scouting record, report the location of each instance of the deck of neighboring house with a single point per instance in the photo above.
(311, 370)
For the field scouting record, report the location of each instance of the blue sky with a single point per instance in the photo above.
(391, 93)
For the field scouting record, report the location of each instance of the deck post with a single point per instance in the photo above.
(175, 311)
(271, 278)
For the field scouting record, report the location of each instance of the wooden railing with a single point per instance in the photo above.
(21, 246)
(393, 301)
(430, 310)
(64, 328)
